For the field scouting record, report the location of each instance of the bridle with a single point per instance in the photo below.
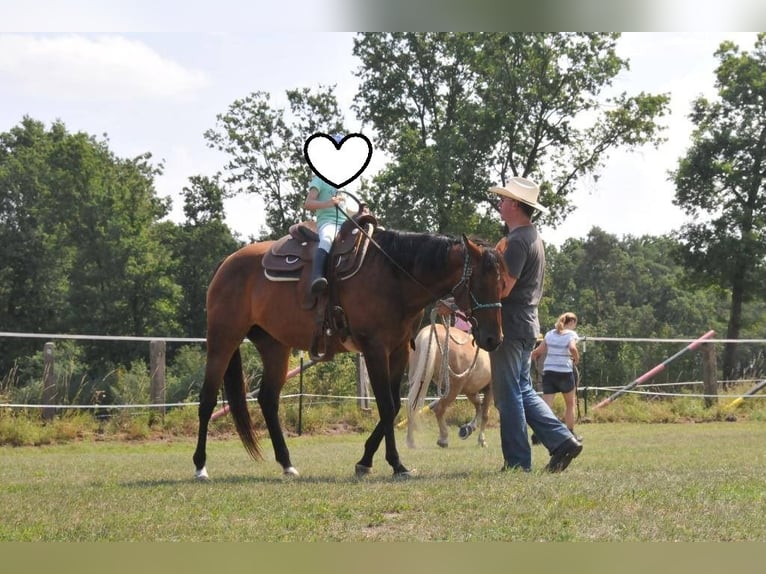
(465, 281)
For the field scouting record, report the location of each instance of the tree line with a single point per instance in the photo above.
(86, 246)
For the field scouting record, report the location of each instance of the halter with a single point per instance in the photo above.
(466, 280)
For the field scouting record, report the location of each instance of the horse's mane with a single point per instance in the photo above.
(427, 252)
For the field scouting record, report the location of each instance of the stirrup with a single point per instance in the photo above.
(318, 286)
(314, 353)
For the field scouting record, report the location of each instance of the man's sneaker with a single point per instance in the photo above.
(563, 455)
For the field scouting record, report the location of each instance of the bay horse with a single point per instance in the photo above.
(383, 304)
(468, 372)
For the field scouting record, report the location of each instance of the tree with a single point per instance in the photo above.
(630, 287)
(265, 145)
(720, 184)
(80, 252)
(33, 276)
(418, 92)
(457, 112)
(198, 246)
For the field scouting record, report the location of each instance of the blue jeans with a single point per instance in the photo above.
(519, 405)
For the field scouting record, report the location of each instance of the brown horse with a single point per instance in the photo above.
(467, 371)
(383, 304)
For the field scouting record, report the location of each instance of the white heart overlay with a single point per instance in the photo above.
(338, 165)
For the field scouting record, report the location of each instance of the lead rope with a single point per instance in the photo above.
(446, 369)
(443, 378)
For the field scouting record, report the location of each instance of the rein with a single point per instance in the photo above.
(464, 279)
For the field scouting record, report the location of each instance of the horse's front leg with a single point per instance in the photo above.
(440, 410)
(467, 429)
(486, 401)
(397, 364)
(385, 379)
(411, 430)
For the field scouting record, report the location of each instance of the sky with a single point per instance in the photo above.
(160, 91)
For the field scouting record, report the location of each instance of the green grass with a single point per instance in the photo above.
(633, 482)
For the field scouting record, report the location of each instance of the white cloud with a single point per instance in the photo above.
(704, 15)
(86, 68)
(634, 195)
(130, 16)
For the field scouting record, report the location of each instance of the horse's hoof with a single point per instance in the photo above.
(405, 474)
(201, 474)
(483, 444)
(290, 471)
(442, 443)
(410, 444)
(362, 471)
(465, 431)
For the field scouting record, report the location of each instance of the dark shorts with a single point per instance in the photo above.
(555, 382)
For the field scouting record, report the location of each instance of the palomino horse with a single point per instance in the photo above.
(383, 303)
(469, 373)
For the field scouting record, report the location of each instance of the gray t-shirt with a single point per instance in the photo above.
(525, 257)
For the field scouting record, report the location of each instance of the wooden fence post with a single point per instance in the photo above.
(363, 402)
(49, 382)
(709, 380)
(537, 374)
(157, 368)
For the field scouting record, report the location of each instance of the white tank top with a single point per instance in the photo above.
(557, 357)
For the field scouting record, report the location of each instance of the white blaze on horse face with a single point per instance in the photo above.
(338, 164)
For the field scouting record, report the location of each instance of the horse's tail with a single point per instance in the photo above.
(234, 384)
(422, 363)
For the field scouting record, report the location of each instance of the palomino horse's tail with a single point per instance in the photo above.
(422, 364)
(234, 385)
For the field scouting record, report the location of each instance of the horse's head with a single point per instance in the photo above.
(478, 293)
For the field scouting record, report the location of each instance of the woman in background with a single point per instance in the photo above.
(561, 355)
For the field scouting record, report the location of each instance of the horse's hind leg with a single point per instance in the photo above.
(204, 413)
(275, 357)
(208, 396)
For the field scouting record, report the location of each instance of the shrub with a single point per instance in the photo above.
(130, 425)
(185, 375)
(131, 386)
(181, 421)
(74, 425)
(22, 429)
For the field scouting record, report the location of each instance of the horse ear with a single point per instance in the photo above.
(470, 245)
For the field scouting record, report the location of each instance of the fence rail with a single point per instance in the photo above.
(157, 372)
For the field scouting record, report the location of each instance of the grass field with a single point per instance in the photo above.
(633, 482)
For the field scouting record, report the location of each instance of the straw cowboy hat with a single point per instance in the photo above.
(522, 190)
